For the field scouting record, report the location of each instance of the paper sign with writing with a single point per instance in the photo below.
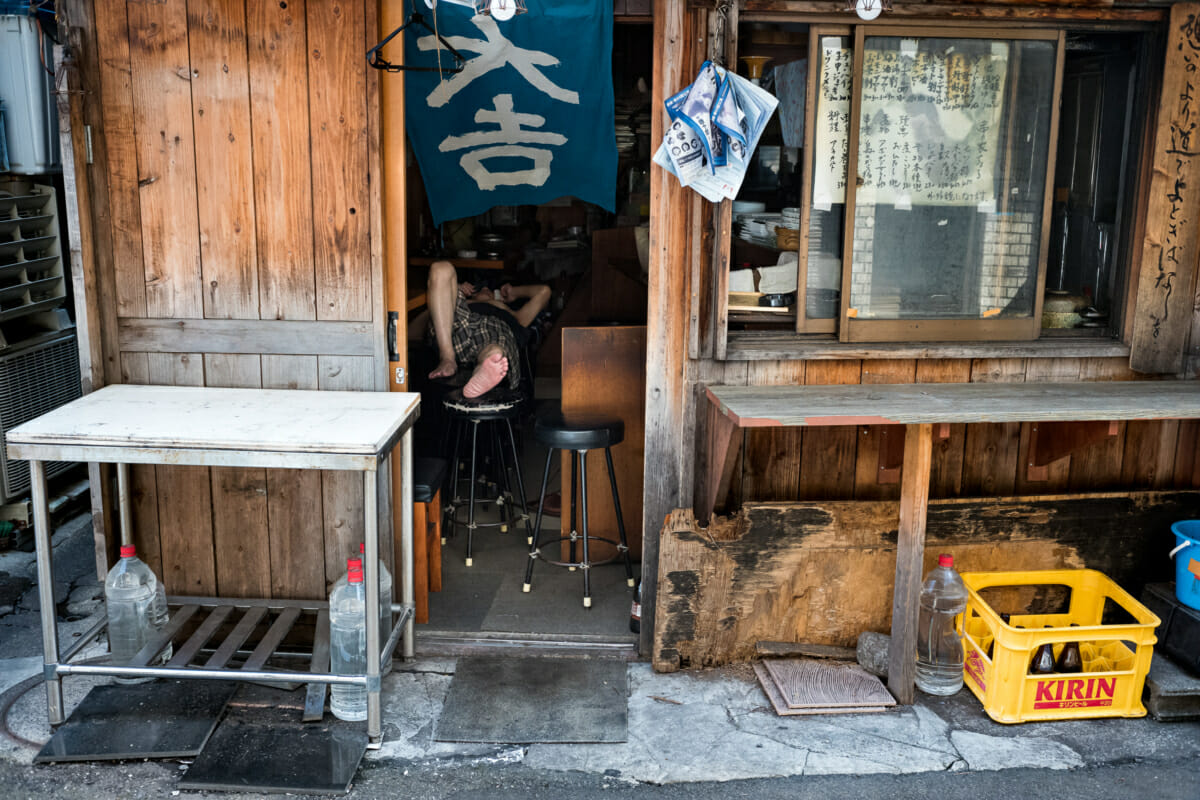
(929, 127)
(528, 119)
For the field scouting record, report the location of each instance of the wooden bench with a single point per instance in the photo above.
(1070, 416)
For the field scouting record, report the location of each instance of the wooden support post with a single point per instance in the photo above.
(1050, 441)
(910, 551)
(717, 465)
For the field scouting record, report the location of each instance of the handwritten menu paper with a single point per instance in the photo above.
(929, 127)
(1164, 304)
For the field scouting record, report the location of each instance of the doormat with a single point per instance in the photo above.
(162, 719)
(263, 746)
(804, 686)
(526, 700)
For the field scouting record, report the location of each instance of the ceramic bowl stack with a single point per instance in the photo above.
(752, 223)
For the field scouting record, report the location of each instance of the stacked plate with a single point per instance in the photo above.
(757, 228)
(791, 219)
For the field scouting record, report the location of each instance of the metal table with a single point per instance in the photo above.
(281, 429)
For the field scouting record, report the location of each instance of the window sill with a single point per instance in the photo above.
(787, 346)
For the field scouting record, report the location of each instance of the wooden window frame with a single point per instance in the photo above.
(826, 338)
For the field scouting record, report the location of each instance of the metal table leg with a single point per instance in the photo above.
(408, 598)
(45, 578)
(371, 482)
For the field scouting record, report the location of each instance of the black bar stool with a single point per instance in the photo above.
(578, 433)
(495, 411)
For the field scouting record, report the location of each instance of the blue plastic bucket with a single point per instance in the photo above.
(1187, 562)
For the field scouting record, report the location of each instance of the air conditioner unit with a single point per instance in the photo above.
(35, 377)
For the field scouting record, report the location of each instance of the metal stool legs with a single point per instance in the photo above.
(585, 564)
(507, 500)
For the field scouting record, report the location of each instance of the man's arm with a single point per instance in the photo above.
(537, 297)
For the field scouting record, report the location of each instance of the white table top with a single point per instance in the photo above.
(883, 404)
(229, 427)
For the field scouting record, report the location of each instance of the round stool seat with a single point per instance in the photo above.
(496, 404)
(577, 431)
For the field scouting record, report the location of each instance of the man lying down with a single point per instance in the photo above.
(478, 329)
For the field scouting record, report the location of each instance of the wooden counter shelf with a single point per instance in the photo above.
(1069, 416)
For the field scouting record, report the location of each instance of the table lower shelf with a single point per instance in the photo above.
(254, 639)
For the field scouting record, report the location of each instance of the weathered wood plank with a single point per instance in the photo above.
(871, 438)
(771, 458)
(903, 404)
(772, 345)
(946, 474)
(991, 452)
(275, 337)
(120, 148)
(1163, 315)
(342, 492)
(667, 328)
(1015, 12)
(1057, 473)
(1099, 467)
(910, 553)
(135, 368)
(224, 162)
(184, 496)
(240, 530)
(166, 158)
(822, 572)
(827, 459)
(278, 63)
(337, 103)
(1148, 461)
(295, 501)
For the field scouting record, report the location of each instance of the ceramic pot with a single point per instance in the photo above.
(1060, 309)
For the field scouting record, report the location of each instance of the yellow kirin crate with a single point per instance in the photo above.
(1115, 658)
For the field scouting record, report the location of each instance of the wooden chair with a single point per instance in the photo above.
(428, 476)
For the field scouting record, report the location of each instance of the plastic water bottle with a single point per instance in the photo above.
(385, 608)
(939, 647)
(348, 643)
(136, 604)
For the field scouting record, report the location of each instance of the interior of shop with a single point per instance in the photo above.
(584, 349)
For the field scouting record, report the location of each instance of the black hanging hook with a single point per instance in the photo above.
(375, 54)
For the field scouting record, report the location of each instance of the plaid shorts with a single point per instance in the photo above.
(471, 332)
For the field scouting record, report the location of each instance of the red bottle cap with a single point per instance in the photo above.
(354, 573)
(128, 551)
(362, 548)
(945, 560)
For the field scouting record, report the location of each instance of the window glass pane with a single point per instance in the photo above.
(830, 149)
(953, 139)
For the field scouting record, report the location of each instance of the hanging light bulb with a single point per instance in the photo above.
(500, 10)
(868, 9)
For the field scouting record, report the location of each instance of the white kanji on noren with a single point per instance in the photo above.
(510, 139)
(494, 51)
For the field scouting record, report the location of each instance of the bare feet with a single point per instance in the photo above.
(445, 368)
(485, 377)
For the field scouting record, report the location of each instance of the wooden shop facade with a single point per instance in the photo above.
(238, 179)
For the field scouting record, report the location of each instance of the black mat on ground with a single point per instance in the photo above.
(525, 700)
(162, 719)
(262, 746)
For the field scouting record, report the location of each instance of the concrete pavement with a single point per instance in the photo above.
(690, 727)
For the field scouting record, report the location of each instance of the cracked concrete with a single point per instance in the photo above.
(707, 725)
